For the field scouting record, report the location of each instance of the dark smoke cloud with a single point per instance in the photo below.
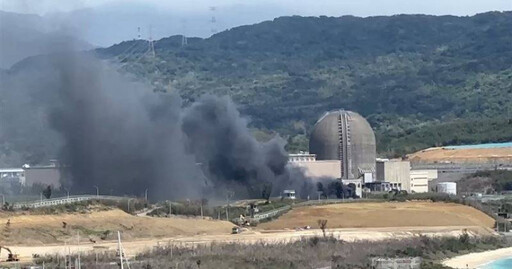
(119, 135)
(232, 158)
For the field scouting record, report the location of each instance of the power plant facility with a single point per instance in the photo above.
(342, 146)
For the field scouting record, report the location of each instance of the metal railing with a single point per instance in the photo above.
(272, 213)
(66, 200)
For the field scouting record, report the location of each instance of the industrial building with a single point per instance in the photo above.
(43, 174)
(342, 146)
(12, 175)
(29, 175)
(396, 172)
(401, 177)
(345, 136)
(346, 139)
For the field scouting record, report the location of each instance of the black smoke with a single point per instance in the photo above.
(231, 157)
(116, 133)
(122, 137)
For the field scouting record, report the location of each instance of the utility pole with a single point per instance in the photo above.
(184, 41)
(97, 191)
(78, 241)
(229, 195)
(129, 204)
(120, 249)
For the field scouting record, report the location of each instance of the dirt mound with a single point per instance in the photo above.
(389, 214)
(99, 226)
(473, 155)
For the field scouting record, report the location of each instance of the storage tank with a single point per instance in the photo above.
(447, 187)
(348, 137)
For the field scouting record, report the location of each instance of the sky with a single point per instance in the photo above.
(290, 7)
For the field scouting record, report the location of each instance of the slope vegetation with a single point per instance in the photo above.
(407, 74)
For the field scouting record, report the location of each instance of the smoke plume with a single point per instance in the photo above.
(120, 136)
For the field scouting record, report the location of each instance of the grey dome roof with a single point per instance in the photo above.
(346, 136)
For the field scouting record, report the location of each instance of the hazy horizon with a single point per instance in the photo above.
(107, 22)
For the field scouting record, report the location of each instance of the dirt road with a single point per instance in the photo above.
(349, 234)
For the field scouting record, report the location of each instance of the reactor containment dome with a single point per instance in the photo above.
(348, 137)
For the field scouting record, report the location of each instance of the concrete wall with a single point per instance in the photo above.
(395, 172)
(43, 175)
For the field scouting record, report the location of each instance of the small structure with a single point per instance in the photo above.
(12, 175)
(396, 263)
(289, 194)
(379, 186)
(447, 187)
(355, 184)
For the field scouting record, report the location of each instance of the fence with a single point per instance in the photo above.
(271, 213)
(66, 200)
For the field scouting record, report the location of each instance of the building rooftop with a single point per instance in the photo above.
(11, 170)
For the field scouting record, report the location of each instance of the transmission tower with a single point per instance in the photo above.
(213, 20)
(138, 33)
(151, 43)
(184, 40)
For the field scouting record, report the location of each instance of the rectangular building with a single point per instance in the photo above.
(45, 175)
(419, 181)
(396, 172)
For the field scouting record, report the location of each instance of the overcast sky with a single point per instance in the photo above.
(297, 7)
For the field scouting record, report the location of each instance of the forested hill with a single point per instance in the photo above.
(420, 80)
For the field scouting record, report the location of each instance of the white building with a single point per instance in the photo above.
(420, 179)
(12, 175)
(302, 157)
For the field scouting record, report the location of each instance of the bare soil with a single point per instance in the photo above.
(44, 234)
(483, 155)
(92, 226)
(389, 214)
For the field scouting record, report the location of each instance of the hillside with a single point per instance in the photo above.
(410, 75)
(100, 226)
(374, 215)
